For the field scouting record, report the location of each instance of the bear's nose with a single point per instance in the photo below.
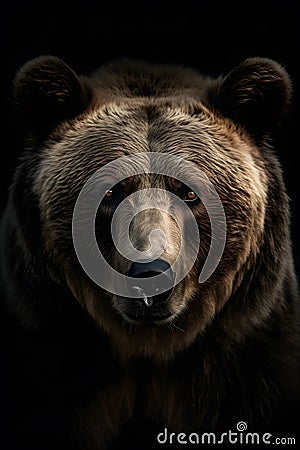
(147, 272)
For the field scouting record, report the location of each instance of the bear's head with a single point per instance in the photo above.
(218, 133)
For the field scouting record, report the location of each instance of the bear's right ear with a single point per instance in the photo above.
(46, 92)
(256, 94)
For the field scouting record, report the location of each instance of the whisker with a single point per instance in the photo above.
(175, 326)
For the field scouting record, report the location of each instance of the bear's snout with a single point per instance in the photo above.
(154, 276)
(144, 279)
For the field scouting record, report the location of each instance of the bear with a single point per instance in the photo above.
(88, 368)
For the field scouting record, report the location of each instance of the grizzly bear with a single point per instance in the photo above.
(175, 359)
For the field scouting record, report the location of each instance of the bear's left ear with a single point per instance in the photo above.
(46, 92)
(255, 94)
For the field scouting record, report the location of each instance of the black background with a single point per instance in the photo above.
(211, 36)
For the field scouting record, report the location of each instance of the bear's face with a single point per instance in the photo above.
(100, 127)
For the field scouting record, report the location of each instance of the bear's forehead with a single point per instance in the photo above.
(109, 132)
(113, 131)
(136, 126)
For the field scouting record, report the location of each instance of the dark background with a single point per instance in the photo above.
(211, 36)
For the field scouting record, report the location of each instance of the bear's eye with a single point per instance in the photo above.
(190, 196)
(114, 193)
(109, 193)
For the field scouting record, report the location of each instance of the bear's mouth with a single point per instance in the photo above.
(144, 311)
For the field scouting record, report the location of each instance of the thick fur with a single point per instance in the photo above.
(79, 375)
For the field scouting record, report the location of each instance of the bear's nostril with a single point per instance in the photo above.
(148, 287)
(148, 269)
